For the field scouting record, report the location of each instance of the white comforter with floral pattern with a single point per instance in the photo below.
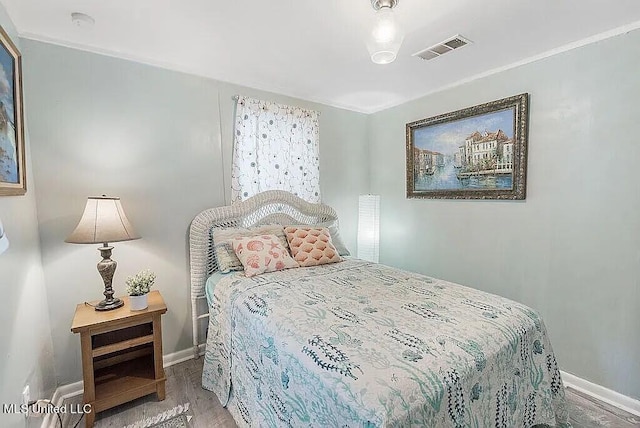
(364, 345)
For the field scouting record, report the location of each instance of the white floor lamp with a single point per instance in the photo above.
(369, 228)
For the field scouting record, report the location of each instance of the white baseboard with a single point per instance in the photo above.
(601, 393)
(181, 356)
(73, 389)
(61, 393)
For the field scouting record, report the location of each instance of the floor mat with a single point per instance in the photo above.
(173, 418)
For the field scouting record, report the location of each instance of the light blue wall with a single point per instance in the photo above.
(572, 248)
(154, 138)
(26, 351)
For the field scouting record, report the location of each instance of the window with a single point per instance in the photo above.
(276, 147)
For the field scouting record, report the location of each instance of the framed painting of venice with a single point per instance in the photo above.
(12, 162)
(479, 152)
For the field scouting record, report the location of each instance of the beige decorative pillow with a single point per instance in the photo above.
(311, 246)
(226, 257)
(260, 254)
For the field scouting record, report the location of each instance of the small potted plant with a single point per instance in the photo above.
(138, 286)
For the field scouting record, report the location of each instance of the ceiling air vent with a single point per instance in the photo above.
(442, 48)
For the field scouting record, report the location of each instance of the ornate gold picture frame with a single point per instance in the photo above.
(12, 154)
(479, 152)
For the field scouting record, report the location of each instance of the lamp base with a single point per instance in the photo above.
(107, 305)
(107, 268)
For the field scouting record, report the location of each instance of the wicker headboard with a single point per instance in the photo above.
(271, 207)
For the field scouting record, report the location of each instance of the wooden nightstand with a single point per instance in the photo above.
(121, 353)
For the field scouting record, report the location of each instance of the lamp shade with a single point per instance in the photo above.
(369, 227)
(103, 221)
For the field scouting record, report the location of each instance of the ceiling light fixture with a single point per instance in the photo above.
(386, 36)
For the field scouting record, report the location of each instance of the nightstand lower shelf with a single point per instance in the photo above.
(124, 382)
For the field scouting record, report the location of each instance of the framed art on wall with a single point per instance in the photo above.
(479, 152)
(12, 161)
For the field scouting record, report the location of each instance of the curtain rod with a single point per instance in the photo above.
(237, 97)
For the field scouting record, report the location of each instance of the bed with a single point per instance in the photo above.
(359, 344)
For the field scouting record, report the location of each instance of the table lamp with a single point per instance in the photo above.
(104, 221)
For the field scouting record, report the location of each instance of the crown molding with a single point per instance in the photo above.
(181, 68)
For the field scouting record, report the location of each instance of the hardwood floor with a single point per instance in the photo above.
(588, 412)
(184, 386)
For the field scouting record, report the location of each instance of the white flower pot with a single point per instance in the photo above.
(138, 303)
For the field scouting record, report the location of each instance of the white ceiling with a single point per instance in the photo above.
(315, 50)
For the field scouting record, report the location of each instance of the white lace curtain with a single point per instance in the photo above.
(275, 148)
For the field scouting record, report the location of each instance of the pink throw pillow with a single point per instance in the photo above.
(263, 253)
(311, 246)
